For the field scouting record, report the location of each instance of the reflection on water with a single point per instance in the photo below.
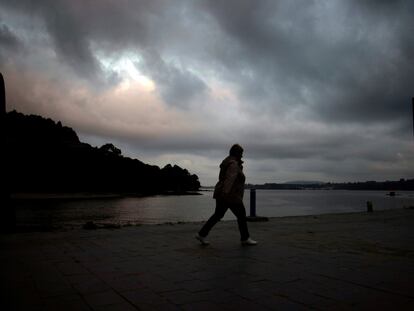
(161, 209)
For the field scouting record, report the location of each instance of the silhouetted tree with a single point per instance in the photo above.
(110, 148)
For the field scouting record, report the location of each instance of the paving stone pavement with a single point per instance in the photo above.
(359, 261)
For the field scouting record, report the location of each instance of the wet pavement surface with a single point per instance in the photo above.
(360, 261)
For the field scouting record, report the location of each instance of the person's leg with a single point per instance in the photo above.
(219, 212)
(240, 212)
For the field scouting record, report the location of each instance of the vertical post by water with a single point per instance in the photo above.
(7, 212)
(369, 207)
(412, 99)
(253, 216)
(252, 202)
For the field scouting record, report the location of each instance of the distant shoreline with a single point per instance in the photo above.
(400, 185)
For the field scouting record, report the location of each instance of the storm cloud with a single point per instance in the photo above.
(311, 89)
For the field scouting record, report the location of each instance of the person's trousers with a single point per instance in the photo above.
(221, 209)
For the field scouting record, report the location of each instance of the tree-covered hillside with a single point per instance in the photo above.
(45, 156)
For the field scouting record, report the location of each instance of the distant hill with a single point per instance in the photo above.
(45, 156)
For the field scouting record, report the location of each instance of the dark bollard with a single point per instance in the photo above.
(252, 202)
(369, 207)
(253, 216)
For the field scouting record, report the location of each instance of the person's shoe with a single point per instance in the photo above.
(202, 240)
(249, 241)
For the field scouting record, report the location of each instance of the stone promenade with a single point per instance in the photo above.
(331, 262)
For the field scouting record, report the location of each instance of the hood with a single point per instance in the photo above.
(226, 162)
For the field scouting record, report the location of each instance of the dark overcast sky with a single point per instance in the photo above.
(314, 90)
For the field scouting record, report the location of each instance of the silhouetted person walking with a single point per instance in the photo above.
(229, 195)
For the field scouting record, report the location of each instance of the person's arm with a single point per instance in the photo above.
(231, 174)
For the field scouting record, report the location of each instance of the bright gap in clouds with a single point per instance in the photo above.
(124, 66)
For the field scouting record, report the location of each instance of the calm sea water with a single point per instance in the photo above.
(162, 209)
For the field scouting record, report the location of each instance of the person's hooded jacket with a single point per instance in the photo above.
(230, 186)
